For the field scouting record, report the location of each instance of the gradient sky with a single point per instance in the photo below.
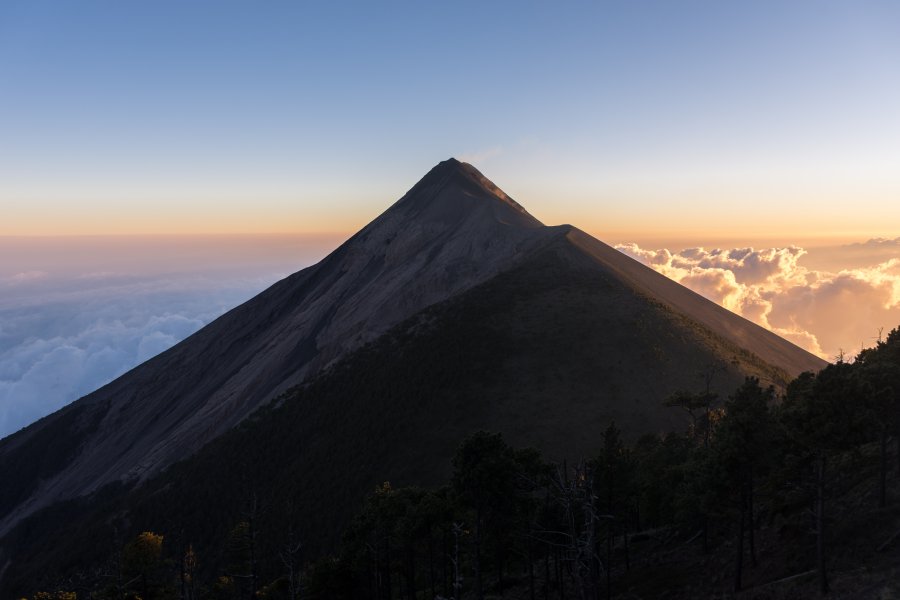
(634, 120)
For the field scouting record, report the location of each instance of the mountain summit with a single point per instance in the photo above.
(540, 332)
(453, 190)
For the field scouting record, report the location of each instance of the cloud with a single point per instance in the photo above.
(825, 311)
(22, 278)
(877, 243)
(62, 339)
(480, 156)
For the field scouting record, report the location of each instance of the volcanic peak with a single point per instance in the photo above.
(453, 187)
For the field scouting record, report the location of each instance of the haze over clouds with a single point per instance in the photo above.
(826, 308)
(65, 331)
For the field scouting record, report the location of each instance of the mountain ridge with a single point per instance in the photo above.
(450, 233)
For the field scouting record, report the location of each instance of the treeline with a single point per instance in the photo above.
(510, 523)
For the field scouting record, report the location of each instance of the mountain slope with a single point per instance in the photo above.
(548, 352)
(452, 230)
(576, 329)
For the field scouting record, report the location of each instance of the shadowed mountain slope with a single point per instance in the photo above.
(541, 332)
(548, 352)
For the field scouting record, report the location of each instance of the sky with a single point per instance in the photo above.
(161, 162)
(757, 119)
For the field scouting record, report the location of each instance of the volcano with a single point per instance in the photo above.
(454, 310)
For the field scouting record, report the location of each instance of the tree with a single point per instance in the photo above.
(698, 407)
(614, 483)
(577, 530)
(58, 595)
(823, 415)
(289, 554)
(743, 446)
(188, 574)
(880, 369)
(142, 562)
(484, 478)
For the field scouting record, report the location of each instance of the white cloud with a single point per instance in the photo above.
(60, 340)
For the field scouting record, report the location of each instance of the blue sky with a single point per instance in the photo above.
(191, 117)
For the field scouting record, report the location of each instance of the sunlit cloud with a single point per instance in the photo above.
(827, 312)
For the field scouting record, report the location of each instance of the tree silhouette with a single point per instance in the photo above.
(743, 446)
(142, 562)
(824, 414)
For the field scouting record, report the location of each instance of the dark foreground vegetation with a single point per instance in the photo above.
(779, 493)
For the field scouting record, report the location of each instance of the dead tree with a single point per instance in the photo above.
(289, 554)
(576, 535)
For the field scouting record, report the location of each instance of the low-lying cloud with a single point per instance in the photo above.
(60, 339)
(62, 334)
(826, 312)
(78, 311)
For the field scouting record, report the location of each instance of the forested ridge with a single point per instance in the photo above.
(787, 492)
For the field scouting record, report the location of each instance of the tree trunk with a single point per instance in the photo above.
(708, 423)
(445, 558)
(253, 571)
(704, 526)
(897, 443)
(882, 488)
(479, 591)
(182, 576)
(457, 581)
(820, 524)
(388, 592)
(411, 573)
(546, 571)
(609, 544)
(371, 576)
(431, 578)
(560, 580)
(751, 520)
(739, 560)
(531, 569)
(292, 589)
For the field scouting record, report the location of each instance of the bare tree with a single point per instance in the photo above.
(290, 558)
(576, 535)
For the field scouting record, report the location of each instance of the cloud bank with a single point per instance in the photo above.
(78, 311)
(65, 332)
(826, 312)
(62, 339)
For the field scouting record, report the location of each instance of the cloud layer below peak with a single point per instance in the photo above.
(62, 340)
(824, 311)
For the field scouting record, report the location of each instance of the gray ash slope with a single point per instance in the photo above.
(453, 232)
